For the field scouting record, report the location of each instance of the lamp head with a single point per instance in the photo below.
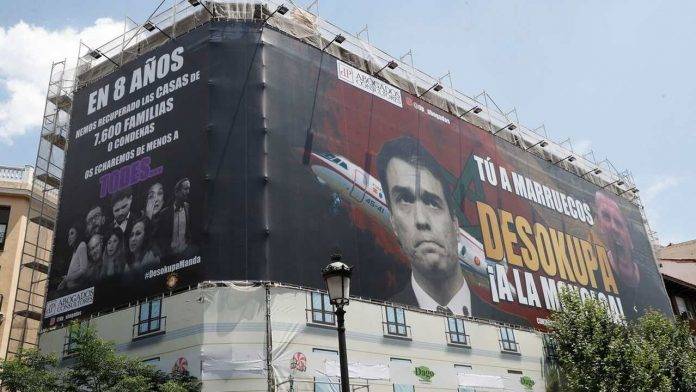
(149, 26)
(282, 9)
(337, 277)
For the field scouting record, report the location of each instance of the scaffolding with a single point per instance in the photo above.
(36, 251)
(300, 22)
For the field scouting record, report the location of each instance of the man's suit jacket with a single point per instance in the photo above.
(479, 308)
(163, 230)
(129, 225)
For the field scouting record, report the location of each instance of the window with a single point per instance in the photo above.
(396, 322)
(4, 220)
(685, 308)
(507, 339)
(550, 349)
(399, 362)
(456, 333)
(463, 369)
(322, 310)
(324, 383)
(150, 318)
(71, 337)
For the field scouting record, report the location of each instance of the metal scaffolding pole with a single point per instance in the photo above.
(32, 281)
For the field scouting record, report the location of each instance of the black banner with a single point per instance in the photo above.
(133, 193)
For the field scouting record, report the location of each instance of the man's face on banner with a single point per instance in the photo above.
(137, 237)
(182, 193)
(155, 199)
(614, 229)
(421, 219)
(94, 221)
(94, 247)
(122, 208)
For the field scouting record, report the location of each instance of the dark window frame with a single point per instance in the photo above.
(395, 327)
(151, 323)
(508, 341)
(457, 337)
(321, 315)
(4, 221)
(72, 332)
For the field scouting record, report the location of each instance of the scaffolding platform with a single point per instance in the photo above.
(49, 179)
(56, 139)
(30, 294)
(39, 266)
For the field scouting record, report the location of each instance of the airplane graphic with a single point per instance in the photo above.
(358, 187)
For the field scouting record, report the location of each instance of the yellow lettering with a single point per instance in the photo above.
(490, 230)
(605, 269)
(590, 261)
(509, 238)
(559, 249)
(546, 256)
(576, 259)
(529, 254)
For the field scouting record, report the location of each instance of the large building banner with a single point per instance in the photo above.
(433, 211)
(132, 196)
(241, 153)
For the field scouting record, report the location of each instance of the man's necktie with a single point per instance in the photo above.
(444, 309)
(448, 311)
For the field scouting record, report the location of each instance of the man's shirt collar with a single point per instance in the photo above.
(459, 302)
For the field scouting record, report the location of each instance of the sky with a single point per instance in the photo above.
(616, 77)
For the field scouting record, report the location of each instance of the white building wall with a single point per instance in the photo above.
(221, 332)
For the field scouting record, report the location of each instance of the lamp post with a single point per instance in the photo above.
(337, 278)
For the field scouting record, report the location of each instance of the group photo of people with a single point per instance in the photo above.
(128, 234)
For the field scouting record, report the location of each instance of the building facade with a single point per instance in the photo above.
(15, 228)
(210, 176)
(678, 268)
(246, 336)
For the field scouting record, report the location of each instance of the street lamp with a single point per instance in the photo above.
(337, 278)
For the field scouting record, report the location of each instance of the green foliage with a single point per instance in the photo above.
(93, 366)
(30, 371)
(597, 353)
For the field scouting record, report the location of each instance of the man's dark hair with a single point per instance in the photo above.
(121, 194)
(412, 152)
(180, 183)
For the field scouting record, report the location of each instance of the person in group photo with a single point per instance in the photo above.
(113, 262)
(121, 203)
(176, 220)
(154, 205)
(94, 221)
(142, 253)
(77, 258)
(95, 254)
